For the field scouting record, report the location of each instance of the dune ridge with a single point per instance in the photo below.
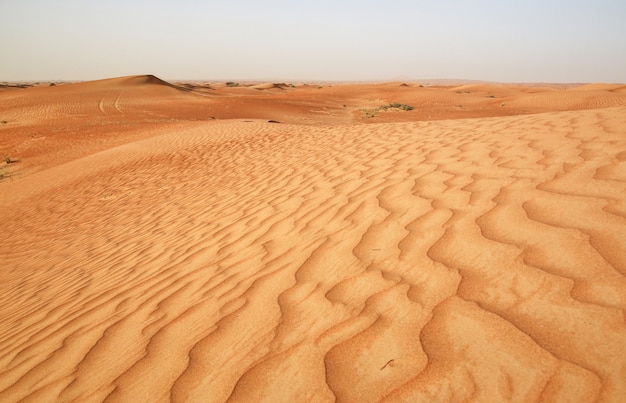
(231, 260)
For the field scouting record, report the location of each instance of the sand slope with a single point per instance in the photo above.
(462, 259)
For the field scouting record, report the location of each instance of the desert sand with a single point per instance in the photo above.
(289, 242)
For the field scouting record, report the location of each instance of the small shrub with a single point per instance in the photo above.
(232, 84)
(394, 105)
(368, 113)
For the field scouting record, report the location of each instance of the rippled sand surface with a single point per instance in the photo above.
(166, 242)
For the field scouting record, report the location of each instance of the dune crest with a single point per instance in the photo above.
(150, 80)
(270, 86)
(194, 259)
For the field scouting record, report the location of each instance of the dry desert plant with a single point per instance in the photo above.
(396, 105)
(370, 113)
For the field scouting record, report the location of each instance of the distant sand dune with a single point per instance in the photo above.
(270, 86)
(600, 87)
(226, 259)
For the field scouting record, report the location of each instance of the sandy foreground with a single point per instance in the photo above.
(168, 242)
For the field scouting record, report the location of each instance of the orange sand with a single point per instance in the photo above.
(166, 242)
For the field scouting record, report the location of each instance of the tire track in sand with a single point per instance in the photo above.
(108, 101)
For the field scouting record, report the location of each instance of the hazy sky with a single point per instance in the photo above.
(498, 40)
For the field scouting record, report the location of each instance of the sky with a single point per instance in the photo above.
(554, 41)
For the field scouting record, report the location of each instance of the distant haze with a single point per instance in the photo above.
(508, 41)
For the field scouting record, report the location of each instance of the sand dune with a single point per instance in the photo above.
(600, 87)
(270, 86)
(169, 255)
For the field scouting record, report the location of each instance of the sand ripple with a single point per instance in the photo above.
(479, 259)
